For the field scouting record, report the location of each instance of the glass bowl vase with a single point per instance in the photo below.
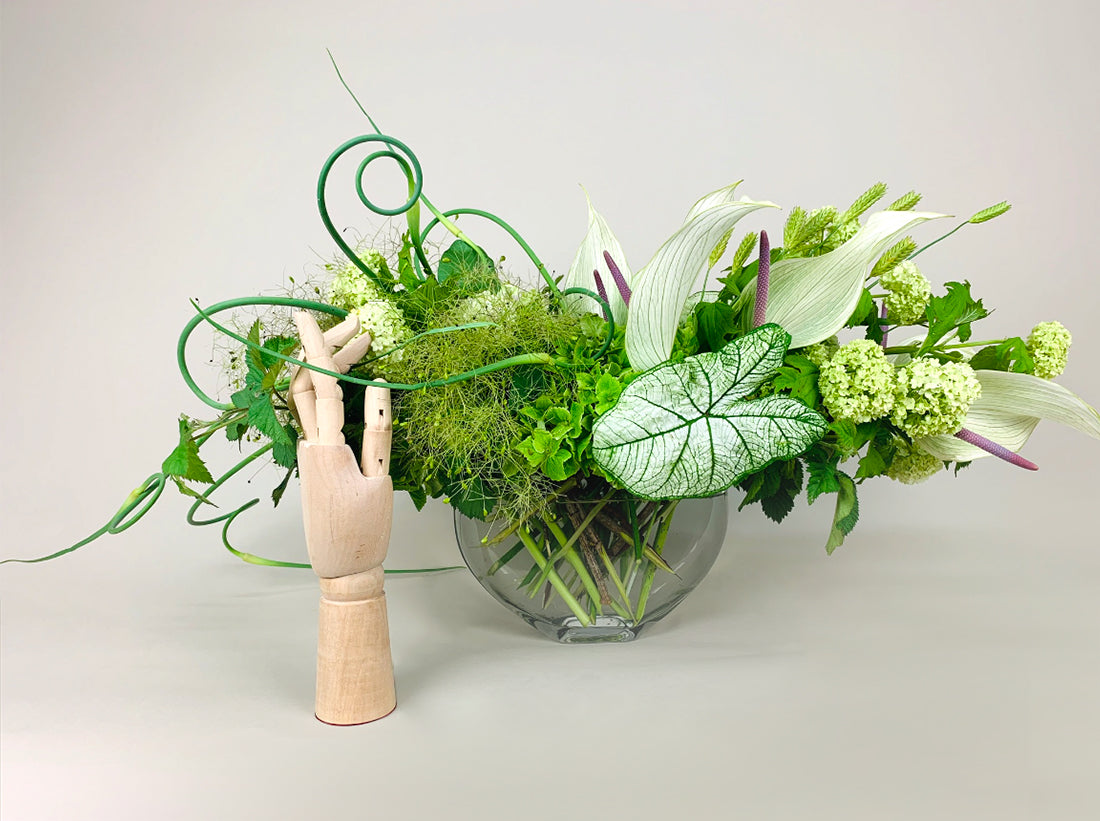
(596, 570)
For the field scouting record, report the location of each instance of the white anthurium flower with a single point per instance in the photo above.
(590, 258)
(662, 287)
(1009, 408)
(813, 297)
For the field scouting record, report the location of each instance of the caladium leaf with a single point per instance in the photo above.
(685, 429)
(813, 297)
(662, 286)
(589, 258)
(1009, 408)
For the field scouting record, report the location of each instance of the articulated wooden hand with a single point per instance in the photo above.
(347, 508)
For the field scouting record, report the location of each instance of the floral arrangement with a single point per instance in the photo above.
(574, 415)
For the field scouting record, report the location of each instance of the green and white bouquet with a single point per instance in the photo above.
(574, 414)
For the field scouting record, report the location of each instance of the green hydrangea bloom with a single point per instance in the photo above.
(1048, 343)
(912, 465)
(907, 293)
(821, 352)
(857, 382)
(933, 397)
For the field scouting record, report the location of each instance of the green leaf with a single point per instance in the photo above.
(953, 311)
(261, 415)
(285, 452)
(460, 258)
(662, 287)
(1010, 355)
(277, 493)
(824, 476)
(717, 324)
(812, 298)
(685, 430)
(242, 398)
(872, 464)
(279, 344)
(799, 376)
(775, 487)
(846, 514)
(236, 429)
(560, 465)
(191, 492)
(255, 361)
(184, 460)
(608, 390)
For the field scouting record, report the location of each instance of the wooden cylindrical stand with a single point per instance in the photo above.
(354, 666)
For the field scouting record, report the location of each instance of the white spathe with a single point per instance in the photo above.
(1009, 408)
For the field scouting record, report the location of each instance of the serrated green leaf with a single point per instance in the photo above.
(242, 398)
(954, 311)
(813, 298)
(285, 453)
(560, 465)
(261, 416)
(873, 463)
(470, 497)
(191, 492)
(685, 430)
(279, 344)
(824, 477)
(846, 514)
(184, 461)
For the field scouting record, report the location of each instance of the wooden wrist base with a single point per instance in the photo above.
(354, 666)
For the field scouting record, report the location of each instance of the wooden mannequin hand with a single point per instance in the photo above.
(347, 503)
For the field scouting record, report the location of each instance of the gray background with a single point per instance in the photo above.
(943, 664)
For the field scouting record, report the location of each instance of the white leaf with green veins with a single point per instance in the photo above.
(662, 286)
(685, 429)
(813, 297)
(1009, 408)
(589, 258)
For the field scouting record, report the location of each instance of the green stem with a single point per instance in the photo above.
(567, 543)
(914, 348)
(935, 241)
(651, 571)
(618, 582)
(554, 578)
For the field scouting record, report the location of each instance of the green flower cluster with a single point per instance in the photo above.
(1048, 343)
(912, 465)
(820, 352)
(908, 292)
(857, 382)
(932, 397)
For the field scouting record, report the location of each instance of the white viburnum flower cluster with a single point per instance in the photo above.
(933, 397)
(1048, 343)
(857, 382)
(353, 291)
(912, 465)
(907, 293)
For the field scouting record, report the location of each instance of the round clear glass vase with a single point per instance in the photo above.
(596, 571)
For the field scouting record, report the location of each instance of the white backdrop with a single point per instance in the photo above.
(943, 663)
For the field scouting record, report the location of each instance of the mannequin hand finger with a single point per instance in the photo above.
(351, 353)
(339, 334)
